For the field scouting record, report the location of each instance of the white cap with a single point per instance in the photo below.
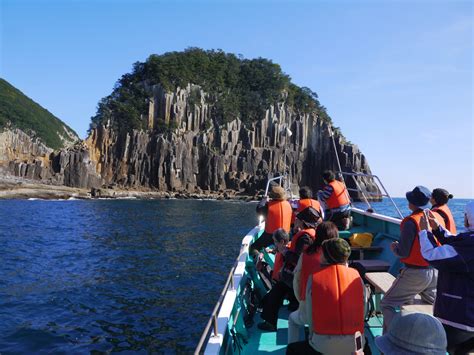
(469, 211)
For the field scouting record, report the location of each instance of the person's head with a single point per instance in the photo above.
(308, 218)
(324, 231)
(280, 239)
(440, 197)
(305, 192)
(335, 251)
(277, 193)
(418, 198)
(413, 333)
(469, 216)
(328, 176)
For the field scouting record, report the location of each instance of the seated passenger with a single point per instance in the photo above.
(413, 333)
(417, 277)
(308, 263)
(454, 260)
(336, 309)
(336, 197)
(439, 201)
(285, 263)
(306, 201)
(277, 213)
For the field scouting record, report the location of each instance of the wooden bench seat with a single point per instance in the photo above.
(362, 250)
(418, 308)
(373, 265)
(382, 281)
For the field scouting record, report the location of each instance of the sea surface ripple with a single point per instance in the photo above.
(102, 276)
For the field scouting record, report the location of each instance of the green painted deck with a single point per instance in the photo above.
(269, 342)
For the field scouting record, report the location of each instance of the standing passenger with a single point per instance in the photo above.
(417, 277)
(336, 310)
(439, 200)
(277, 213)
(335, 196)
(454, 259)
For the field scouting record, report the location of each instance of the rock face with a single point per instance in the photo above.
(184, 150)
(29, 158)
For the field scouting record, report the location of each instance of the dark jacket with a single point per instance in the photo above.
(454, 260)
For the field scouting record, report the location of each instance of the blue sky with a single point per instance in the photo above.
(396, 76)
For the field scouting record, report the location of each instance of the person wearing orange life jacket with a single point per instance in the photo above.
(306, 201)
(336, 309)
(308, 263)
(417, 277)
(336, 198)
(306, 222)
(277, 213)
(439, 201)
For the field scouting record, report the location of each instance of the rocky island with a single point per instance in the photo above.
(182, 124)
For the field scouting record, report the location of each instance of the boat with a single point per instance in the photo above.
(232, 327)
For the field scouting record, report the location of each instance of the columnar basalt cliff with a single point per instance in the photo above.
(198, 122)
(184, 149)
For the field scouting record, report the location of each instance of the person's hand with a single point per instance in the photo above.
(393, 246)
(424, 222)
(432, 221)
(259, 262)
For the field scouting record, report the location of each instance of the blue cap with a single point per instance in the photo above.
(413, 333)
(419, 196)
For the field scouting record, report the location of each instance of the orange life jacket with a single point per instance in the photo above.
(278, 216)
(439, 218)
(447, 217)
(309, 265)
(415, 257)
(339, 196)
(294, 241)
(278, 264)
(337, 301)
(279, 260)
(307, 202)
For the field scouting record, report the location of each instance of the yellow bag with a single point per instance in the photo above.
(361, 239)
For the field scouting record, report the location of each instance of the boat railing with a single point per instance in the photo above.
(280, 181)
(215, 327)
(383, 191)
(212, 322)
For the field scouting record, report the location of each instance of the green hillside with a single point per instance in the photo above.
(237, 87)
(27, 115)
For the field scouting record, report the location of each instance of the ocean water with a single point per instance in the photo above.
(125, 276)
(102, 276)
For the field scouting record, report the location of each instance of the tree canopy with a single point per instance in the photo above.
(21, 112)
(236, 87)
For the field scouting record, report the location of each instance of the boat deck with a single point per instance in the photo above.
(269, 342)
(276, 342)
(241, 339)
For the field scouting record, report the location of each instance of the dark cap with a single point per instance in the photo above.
(419, 196)
(310, 217)
(441, 196)
(280, 234)
(336, 250)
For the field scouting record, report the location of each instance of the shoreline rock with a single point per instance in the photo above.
(15, 188)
